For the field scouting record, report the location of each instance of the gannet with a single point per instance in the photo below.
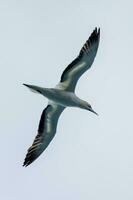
(62, 96)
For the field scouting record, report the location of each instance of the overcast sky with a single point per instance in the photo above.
(90, 157)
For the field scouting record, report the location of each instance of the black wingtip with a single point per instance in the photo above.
(24, 165)
(95, 35)
(27, 162)
(29, 159)
(98, 31)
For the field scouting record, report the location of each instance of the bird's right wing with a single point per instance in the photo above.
(46, 132)
(82, 63)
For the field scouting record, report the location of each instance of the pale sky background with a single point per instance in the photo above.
(90, 157)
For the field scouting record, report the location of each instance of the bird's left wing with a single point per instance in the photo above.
(82, 63)
(46, 132)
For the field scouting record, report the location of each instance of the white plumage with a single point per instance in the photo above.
(62, 96)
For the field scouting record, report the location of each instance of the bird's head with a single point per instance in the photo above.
(88, 107)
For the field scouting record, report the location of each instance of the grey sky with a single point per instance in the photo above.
(91, 157)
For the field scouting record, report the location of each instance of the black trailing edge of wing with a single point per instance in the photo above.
(94, 37)
(31, 154)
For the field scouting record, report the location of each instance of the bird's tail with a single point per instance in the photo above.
(33, 88)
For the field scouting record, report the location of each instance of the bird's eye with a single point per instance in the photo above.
(89, 105)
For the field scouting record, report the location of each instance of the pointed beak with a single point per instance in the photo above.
(90, 109)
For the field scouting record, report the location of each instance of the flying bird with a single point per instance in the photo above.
(62, 96)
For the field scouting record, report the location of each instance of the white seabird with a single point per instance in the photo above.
(62, 96)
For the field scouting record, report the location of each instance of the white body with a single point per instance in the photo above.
(62, 96)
